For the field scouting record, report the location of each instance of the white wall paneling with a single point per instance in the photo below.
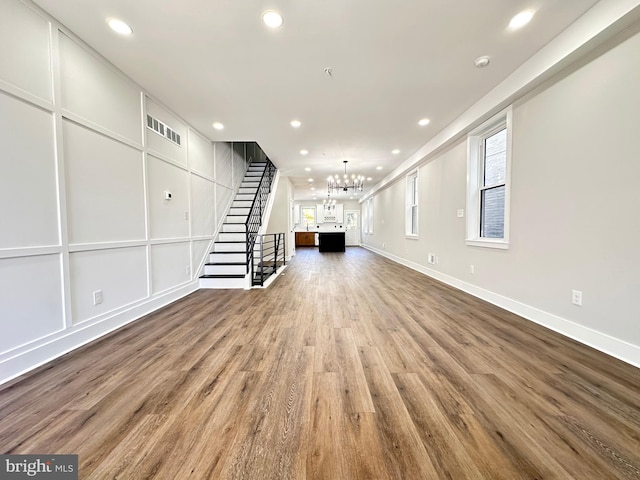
(25, 56)
(120, 273)
(104, 181)
(93, 90)
(239, 164)
(162, 146)
(170, 265)
(82, 205)
(167, 217)
(223, 166)
(201, 155)
(29, 313)
(203, 201)
(28, 183)
(200, 250)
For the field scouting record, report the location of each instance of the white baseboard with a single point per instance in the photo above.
(615, 347)
(21, 360)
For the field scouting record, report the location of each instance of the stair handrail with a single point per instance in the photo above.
(254, 219)
(278, 255)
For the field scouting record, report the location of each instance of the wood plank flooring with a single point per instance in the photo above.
(348, 367)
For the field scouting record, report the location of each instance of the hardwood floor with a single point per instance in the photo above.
(348, 367)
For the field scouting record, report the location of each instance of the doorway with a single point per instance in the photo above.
(352, 227)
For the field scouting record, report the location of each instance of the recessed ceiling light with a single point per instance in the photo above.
(482, 62)
(423, 122)
(218, 125)
(521, 19)
(119, 26)
(350, 198)
(296, 123)
(272, 19)
(395, 151)
(378, 168)
(369, 179)
(307, 169)
(310, 180)
(313, 188)
(304, 152)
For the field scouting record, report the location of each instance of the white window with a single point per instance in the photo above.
(488, 188)
(411, 216)
(308, 216)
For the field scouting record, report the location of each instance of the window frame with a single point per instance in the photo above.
(475, 179)
(412, 202)
(304, 219)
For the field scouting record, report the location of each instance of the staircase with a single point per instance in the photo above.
(229, 261)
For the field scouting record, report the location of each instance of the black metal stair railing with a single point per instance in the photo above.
(254, 220)
(272, 255)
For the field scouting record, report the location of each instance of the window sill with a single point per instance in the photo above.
(411, 237)
(501, 244)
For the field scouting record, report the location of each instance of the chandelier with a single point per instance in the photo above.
(336, 184)
(328, 203)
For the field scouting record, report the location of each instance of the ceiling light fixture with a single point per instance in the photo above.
(119, 26)
(218, 125)
(307, 169)
(378, 168)
(355, 182)
(395, 151)
(482, 62)
(423, 122)
(521, 19)
(296, 123)
(272, 19)
(310, 180)
(304, 152)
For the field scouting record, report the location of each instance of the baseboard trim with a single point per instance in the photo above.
(53, 346)
(615, 347)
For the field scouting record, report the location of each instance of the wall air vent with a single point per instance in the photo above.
(163, 130)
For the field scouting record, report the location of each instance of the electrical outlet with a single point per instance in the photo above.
(186, 215)
(97, 297)
(576, 297)
(472, 269)
(431, 258)
(460, 212)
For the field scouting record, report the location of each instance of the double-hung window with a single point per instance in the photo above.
(411, 218)
(488, 188)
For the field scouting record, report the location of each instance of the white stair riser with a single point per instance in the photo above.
(239, 211)
(239, 219)
(248, 191)
(227, 257)
(229, 228)
(225, 269)
(231, 283)
(252, 174)
(232, 237)
(242, 204)
(244, 197)
(229, 247)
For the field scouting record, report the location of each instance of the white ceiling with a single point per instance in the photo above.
(393, 63)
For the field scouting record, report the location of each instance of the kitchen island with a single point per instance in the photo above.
(331, 242)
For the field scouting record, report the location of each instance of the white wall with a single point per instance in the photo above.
(280, 220)
(82, 205)
(574, 209)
